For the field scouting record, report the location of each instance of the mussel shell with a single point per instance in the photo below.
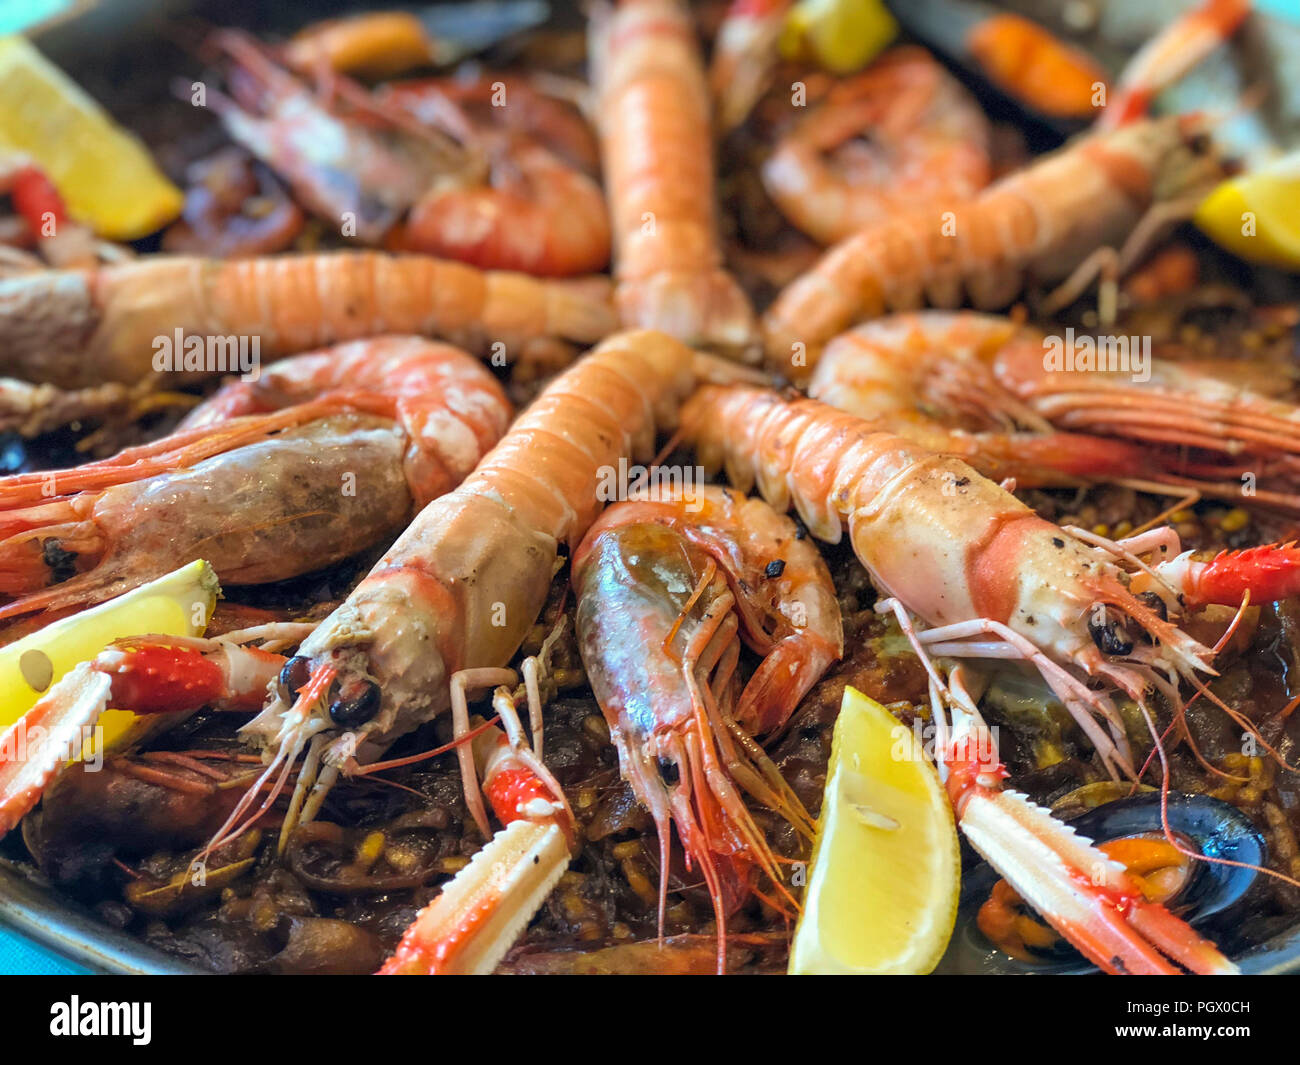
(1216, 828)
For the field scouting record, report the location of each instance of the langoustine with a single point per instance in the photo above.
(323, 455)
(76, 328)
(450, 602)
(998, 582)
(1040, 225)
(653, 105)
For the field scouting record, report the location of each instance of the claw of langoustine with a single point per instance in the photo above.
(1267, 573)
(1086, 896)
(469, 927)
(146, 675)
(34, 747)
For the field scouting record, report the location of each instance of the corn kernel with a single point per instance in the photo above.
(370, 849)
(1235, 520)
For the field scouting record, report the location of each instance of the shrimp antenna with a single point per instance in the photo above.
(1178, 844)
(296, 730)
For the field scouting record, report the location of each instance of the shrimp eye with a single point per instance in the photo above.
(295, 673)
(1155, 604)
(1109, 637)
(669, 772)
(356, 705)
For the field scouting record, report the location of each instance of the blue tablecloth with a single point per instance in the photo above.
(19, 956)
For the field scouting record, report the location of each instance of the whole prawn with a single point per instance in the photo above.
(1044, 224)
(998, 582)
(538, 209)
(1180, 405)
(668, 585)
(430, 166)
(77, 328)
(450, 602)
(902, 133)
(255, 479)
(977, 386)
(653, 107)
(345, 167)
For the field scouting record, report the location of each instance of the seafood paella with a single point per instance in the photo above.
(740, 487)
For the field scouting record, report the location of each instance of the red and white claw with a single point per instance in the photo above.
(147, 675)
(34, 747)
(469, 927)
(1169, 55)
(1267, 574)
(1089, 898)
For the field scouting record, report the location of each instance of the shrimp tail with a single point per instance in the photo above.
(709, 307)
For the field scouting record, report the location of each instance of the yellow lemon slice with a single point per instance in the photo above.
(104, 173)
(883, 885)
(1255, 215)
(178, 604)
(840, 35)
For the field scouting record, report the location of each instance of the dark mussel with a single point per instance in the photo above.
(1203, 896)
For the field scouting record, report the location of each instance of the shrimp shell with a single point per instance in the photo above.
(657, 147)
(902, 133)
(462, 586)
(949, 545)
(1036, 225)
(75, 328)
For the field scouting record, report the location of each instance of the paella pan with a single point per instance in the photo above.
(656, 488)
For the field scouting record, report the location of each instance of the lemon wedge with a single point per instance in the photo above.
(178, 604)
(104, 173)
(883, 885)
(1254, 215)
(839, 35)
